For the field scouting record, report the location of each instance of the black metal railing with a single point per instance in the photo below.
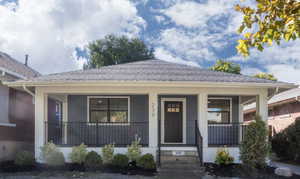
(199, 142)
(225, 134)
(96, 134)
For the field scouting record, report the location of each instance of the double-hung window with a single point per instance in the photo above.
(108, 109)
(219, 110)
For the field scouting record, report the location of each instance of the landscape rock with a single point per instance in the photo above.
(283, 171)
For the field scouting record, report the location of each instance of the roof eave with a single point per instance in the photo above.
(150, 83)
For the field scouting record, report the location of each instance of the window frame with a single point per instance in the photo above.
(230, 119)
(107, 123)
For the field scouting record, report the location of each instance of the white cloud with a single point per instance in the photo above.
(50, 30)
(250, 71)
(163, 54)
(284, 72)
(192, 14)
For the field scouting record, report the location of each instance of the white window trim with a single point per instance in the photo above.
(107, 124)
(162, 111)
(226, 98)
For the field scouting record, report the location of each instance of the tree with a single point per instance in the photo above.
(255, 148)
(228, 67)
(266, 76)
(271, 21)
(117, 50)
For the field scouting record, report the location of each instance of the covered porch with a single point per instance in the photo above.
(197, 118)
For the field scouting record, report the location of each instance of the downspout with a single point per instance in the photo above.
(30, 92)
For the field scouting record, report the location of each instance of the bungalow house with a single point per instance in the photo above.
(283, 110)
(170, 107)
(16, 109)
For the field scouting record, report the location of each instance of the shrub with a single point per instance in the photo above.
(255, 148)
(93, 160)
(108, 153)
(146, 162)
(286, 144)
(223, 157)
(120, 160)
(78, 154)
(51, 155)
(134, 150)
(24, 159)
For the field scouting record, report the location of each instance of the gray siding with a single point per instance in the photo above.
(104, 134)
(191, 115)
(4, 103)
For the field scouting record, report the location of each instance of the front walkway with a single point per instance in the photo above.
(294, 168)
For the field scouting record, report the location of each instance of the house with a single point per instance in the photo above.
(283, 109)
(170, 107)
(17, 109)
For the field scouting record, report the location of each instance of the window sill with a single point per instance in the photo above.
(8, 124)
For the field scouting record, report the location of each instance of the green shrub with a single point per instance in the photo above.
(255, 148)
(78, 154)
(146, 162)
(286, 144)
(108, 153)
(134, 150)
(51, 155)
(24, 158)
(120, 160)
(223, 157)
(93, 160)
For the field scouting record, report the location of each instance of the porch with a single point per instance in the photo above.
(200, 119)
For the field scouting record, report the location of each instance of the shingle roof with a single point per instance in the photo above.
(150, 70)
(9, 64)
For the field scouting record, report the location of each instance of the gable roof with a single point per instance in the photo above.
(285, 97)
(15, 68)
(148, 71)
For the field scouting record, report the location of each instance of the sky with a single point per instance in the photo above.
(55, 33)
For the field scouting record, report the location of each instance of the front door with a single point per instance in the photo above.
(173, 122)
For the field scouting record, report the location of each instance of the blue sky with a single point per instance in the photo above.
(190, 32)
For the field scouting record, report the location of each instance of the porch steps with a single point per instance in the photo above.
(180, 163)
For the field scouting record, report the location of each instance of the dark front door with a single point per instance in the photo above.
(173, 122)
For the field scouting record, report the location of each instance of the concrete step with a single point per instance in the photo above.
(178, 153)
(189, 159)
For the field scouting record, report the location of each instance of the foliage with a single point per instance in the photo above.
(117, 50)
(134, 150)
(120, 160)
(270, 21)
(108, 153)
(51, 155)
(146, 162)
(255, 147)
(286, 144)
(223, 157)
(78, 154)
(266, 76)
(228, 67)
(24, 158)
(93, 160)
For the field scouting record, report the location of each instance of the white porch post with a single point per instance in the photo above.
(153, 120)
(65, 118)
(202, 118)
(262, 105)
(41, 108)
(241, 118)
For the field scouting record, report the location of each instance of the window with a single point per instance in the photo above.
(109, 109)
(219, 110)
(173, 107)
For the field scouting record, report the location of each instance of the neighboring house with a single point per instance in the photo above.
(170, 107)
(284, 108)
(16, 109)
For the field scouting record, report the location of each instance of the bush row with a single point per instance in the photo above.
(286, 144)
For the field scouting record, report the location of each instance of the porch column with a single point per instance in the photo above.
(202, 118)
(262, 105)
(41, 108)
(65, 118)
(153, 120)
(241, 118)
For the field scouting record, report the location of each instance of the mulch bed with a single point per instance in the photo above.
(238, 170)
(10, 167)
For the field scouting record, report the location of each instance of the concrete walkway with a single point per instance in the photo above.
(294, 168)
